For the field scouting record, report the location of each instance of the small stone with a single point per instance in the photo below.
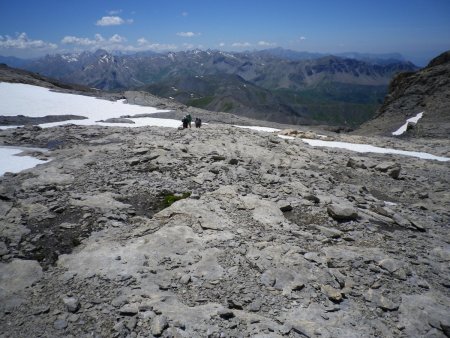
(66, 225)
(41, 309)
(218, 158)
(235, 304)
(225, 314)
(186, 278)
(313, 257)
(158, 325)
(390, 264)
(380, 301)
(312, 198)
(3, 249)
(342, 212)
(72, 304)
(285, 206)
(395, 171)
(129, 310)
(387, 305)
(355, 163)
(297, 285)
(60, 324)
(268, 278)
(332, 293)
(73, 318)
(385, 166)
(402, 221)
(329, 232)
(255, 306)
(130, 324)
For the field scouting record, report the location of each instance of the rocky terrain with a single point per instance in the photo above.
(222, 232)
(428, 91)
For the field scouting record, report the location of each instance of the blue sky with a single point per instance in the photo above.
(419, 29)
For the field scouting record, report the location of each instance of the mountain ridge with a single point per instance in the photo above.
(427, 91)
(314, 86)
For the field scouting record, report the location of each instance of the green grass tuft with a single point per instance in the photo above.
(170, 199)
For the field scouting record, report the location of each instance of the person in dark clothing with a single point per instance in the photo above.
(185, 122)
(198, 122)
(189, 118)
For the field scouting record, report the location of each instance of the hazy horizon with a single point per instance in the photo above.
(416, 29)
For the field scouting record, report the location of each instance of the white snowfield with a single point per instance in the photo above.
(33, 101)
(403, 128)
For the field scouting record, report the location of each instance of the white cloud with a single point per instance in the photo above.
(142, 41)
(241, 44)
(188, 34)
(222, 44)
(115, 43)
(188, 45)
(302, 38)
(21, 41)
(112, 21)
(184, 13)
(74, 40)
(116, 38)
(266, 44)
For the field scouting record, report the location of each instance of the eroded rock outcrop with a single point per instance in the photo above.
(266, 237)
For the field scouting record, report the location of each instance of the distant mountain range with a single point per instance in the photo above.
(275, 84)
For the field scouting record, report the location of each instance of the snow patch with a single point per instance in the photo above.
(360, 148)
(403, 128)
(12, 163)
(367, 148)
(69, 58)
(267, 129)
(286, 137)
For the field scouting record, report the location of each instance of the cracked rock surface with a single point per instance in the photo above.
(276, 238)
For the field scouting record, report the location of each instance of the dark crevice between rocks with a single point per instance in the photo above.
(48, 239)
(145, 204)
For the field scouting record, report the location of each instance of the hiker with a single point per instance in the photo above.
(198, 122)
(189, 118)
(185, 122)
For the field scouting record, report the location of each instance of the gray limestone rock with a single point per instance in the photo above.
(3, 249)
(72, 304)
(129, 310)
(332, 293)
(129, 261)
(342, 212)
(158, 325)
(60, 324)
(19, 274)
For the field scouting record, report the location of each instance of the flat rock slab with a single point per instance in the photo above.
(419, 314)
(19, 274)
(49, 176)
(103, 201)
